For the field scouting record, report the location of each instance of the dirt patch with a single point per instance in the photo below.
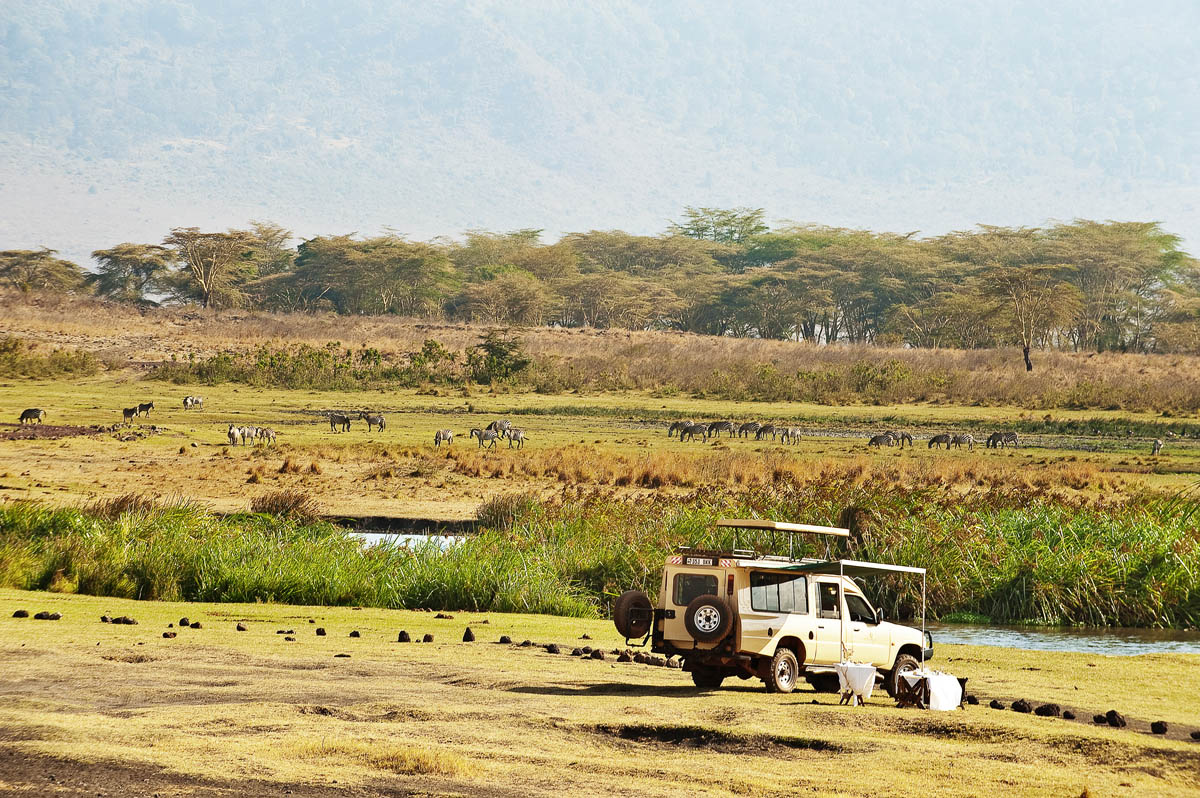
(719, 741)
(129, 658)
(45, 432)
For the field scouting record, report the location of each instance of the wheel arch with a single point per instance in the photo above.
(795, 644)
(912, 649)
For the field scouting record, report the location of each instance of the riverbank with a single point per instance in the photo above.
(101, 707)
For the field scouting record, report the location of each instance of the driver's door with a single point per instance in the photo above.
(865, 641)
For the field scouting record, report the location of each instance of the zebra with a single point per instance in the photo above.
(717, 427)
(443, 435)
(128, 414)
(880, 440)
(678, 426)
(235, 435)
(765, 430)
(145, 407)
(790, 435)
(937, 440)
(339, 420)
(959, 440)
(33, 414)
(372, 418)
(249, 435)
(267, 434)
(998, 440)
(899, 437)
(498, 426)
(1156, 447)
(692, 430)
(514, 434)
(489, 435)
(191, 403)
(746, 430)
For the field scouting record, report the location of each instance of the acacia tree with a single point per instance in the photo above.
(725, 226)
(38, 270)
(1035, 298)
(213, 264)
(127, 272)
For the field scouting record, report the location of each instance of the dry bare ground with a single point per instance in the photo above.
(89, 707)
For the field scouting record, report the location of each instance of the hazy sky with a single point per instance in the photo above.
(121, 120)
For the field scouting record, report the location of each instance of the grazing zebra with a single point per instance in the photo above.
(959, 440)
(443, 435)
(790, 435)
(880, 440)
(678, 426)
(33, 414)
(235, 435)
(998, 440)
(746, 430)
(1157, 447)
(717, 427)
(764, 431)
(339, 420)
(900, 437)
(489, 435)
(514, 434)
(128, 414)
(692, 430)
(145, 407)
(372, 418)
(498, 426)
(937, 440)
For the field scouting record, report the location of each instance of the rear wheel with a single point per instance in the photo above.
(707, 678)
(904, 663)
(632, 614)
(708, 618)
(785, 670)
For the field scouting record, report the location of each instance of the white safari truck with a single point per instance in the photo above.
(739, 613)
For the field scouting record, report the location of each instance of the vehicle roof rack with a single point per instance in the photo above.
(783, 526)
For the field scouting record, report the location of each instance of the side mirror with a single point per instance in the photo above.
(879, 616)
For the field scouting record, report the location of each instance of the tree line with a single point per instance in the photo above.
(1082, 285)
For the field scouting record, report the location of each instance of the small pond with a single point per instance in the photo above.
(1097, 640)
(406, 539)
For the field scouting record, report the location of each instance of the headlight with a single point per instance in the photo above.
(928, 640)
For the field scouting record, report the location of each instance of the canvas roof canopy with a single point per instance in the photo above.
(852, 568)
(783, 526)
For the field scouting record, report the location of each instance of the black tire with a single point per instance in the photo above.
(904, 662)
(708, 618)
(824, 682)
(707, 678)
(630, 625)
(784, 672)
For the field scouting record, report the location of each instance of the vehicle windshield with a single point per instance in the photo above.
(689, 586)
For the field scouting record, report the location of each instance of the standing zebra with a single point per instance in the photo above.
(765, 430)
(33, 414)
(959, 440)
(1156, 447)
(678, 426)
(443, 435)
(790, 435)
(937, 440)
(128, 414)
(717, 427)
(489, 435)
(145, 408)
(692, 430)
(515, 435)
(748, 429)
(372, 418)
(998, 440)
(193, 403)
(235, 435)
(337, 420)
(498, 426)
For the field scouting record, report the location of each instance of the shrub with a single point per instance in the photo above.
(294, 505)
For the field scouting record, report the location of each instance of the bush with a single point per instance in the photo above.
(294, 505)
(18, 359)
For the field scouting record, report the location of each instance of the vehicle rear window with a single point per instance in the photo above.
(689, 586)
(778, 592)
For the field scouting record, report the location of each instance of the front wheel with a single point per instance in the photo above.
(784, 672)
(905, 663)
(707, 678)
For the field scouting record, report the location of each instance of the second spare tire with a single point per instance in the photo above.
(708, 618)
(632, 614)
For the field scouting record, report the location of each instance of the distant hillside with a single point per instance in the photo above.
(123, 119)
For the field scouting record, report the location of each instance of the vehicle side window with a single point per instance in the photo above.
(689, 586)
(858, 609)
(829, 600)
(773, 592)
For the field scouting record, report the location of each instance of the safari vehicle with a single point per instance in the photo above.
(739, 613)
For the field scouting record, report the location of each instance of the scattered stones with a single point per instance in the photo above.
(504, 640)
(403, 637)
(54, 616)
(1022, 706)
(674, 663)
(170, 635)
(1158, 727)
(972, 700)
(994, 704)
(320, 631)
(639, 658)
(310, 620)
(597, 654)
(552, 648)
(624, 657)
(1115, 719)
(184, 621)
(1195, 735)
(477, 623)
(47, 616)
(355, 633)
(526, 643)
(428, 638)
(290, 639)
(170, 626)
(468, 636)
(105, 619)
(341, 655)
(587, 649)
(1048, 711)
(585, 636)
(1099, 720)
(25, 614)
(442, 616)
(577, 652)
(1068, 715)
(124, 619)
(241, 627)
(197, 625)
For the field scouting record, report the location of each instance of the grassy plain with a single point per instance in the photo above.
(216, 712)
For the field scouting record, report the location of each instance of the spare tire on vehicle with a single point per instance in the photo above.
(632, 614)
(708, 618)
